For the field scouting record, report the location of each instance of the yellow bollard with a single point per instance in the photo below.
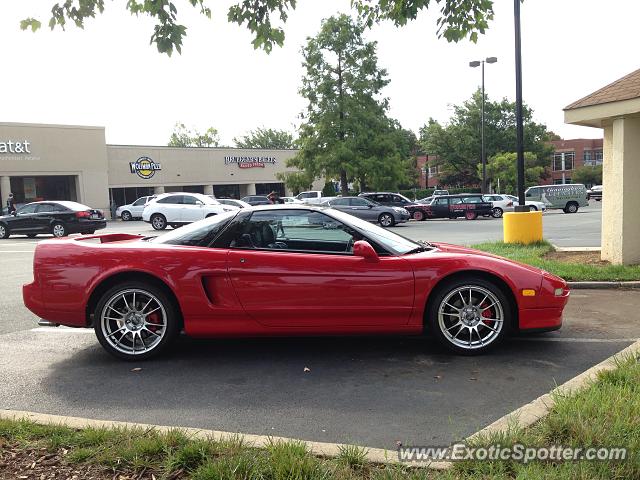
(522, 227)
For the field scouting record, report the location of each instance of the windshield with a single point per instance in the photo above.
(392, 242)
(198, 233)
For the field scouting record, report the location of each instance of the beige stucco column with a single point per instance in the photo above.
(620, 199)
(208, 189)
(251, 188)
(5, 190)
(158, 190)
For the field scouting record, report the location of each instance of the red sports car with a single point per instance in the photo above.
(286, 270)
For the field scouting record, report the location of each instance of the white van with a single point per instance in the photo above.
(568, 197)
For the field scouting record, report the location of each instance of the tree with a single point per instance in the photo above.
(457, 144)
(266, 138)
(184, 137)
(346, 133)
(588, 175)
(458, 18)
(502, 168)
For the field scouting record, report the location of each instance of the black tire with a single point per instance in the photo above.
(386, 220)
(533, 208)
(5, 232)
(59, 230)
(158, 221)
(126, 216)
(173, 322)
(438, 329)
(496, 212)
(571, 207)
(32, 235)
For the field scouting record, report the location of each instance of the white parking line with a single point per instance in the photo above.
(16, 251)
(62, 330)
(577, 339)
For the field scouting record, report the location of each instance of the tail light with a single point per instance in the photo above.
(83, 214)
(510, 204)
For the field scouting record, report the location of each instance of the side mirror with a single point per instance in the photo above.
(363, 249)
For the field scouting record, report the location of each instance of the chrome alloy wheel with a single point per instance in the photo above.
(58, 230)
(471, 317)
(133, 321)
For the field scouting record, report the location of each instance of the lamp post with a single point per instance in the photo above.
(483, 157)
(522, 207)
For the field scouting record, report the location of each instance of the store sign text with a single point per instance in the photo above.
(144, 167)
(11, 146)
(249, 162)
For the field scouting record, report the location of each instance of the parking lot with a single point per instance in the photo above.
(364, 390)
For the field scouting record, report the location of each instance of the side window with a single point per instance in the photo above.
(340, 202)
(441, 201)
(294, 230)
(45, 208)
(359, 202)
(189, 200)
(382, 198)
(140, 201)
(171, 199)
(455, 201)
(472, 200)
(31, 208)
(533, 192)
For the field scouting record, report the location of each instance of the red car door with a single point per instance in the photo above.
(298, 271)
(279, 288)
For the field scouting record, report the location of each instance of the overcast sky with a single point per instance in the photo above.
(109, 75)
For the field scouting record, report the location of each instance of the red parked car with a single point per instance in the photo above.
(286, 270)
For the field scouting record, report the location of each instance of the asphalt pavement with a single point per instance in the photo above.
(367, 390)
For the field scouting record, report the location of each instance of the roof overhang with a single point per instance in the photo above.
(599, 115)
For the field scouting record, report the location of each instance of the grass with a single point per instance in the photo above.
(606, 413)
(534, 254)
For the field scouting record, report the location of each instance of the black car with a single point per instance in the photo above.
(256, 200)
(388, 199)
(466, 205)
(58, 218)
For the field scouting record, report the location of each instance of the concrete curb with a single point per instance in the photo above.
(321, 449)
(530, 413)
(603, 285)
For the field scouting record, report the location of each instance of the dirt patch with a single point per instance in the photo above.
(18, 462)
(585, 258)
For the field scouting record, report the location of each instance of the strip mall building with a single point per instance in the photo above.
(62, 162)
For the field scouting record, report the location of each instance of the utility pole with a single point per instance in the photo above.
(522, 207)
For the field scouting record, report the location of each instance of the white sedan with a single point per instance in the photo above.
(507, 203)
(133, 210)
(179, 208)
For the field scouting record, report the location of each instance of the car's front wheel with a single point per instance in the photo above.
(496, 212)
(126, 216)
(59, 230)
(136, 320)
(386, 220)
(469, 315)
(4, 231)
(418, 215)
(158, 221)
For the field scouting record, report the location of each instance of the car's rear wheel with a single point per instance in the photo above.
(158, 221)
(4, 231)
(59, 230)
(496, 212)
(469, 315)
(470, 215)
(571, 207)
(136, 320)
(418, 215)
(386, 220)
(533, 208)
(125, 216)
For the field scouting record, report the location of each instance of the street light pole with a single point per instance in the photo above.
(483, 156)
(522, 207)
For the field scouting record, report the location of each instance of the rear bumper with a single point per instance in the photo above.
(33, 300)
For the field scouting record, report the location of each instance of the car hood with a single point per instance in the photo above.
(457, 249)
(6, 217)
